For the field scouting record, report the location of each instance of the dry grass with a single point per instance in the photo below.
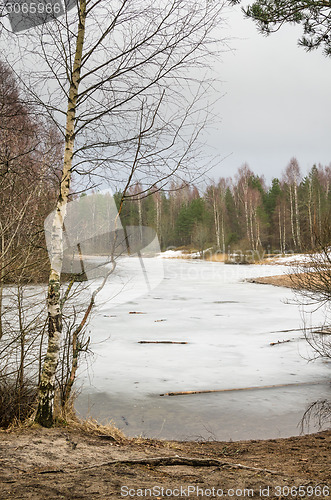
(92, 427)
(89, 427)
(66, 417)
(16, 402)
(216, 257)
(278, 280)
(294, 280)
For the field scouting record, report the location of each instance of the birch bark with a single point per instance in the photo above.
(280, 232)
(310, 198)
(297, 214)
(45, 410)
(292, 217)
(216, 219)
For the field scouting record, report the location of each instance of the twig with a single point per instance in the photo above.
(279, 342)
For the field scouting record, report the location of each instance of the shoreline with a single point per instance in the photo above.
(283, 280)
(78, 461)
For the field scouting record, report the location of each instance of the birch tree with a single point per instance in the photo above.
(215, 195)
(292, 177)
(115, 79)
(242, 191)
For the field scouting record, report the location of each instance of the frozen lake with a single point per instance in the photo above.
(228, 325)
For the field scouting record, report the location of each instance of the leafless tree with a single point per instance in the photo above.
(292, 176)
(29, 158)
(120, 81)
(312, 283)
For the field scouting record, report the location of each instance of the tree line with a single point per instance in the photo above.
(241, 212)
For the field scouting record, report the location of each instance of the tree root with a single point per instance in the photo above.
(167, 461)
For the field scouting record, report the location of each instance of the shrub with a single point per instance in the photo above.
(16, 403)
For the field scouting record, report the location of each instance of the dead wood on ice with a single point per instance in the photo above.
(274, 386)
(298, 330)
(160, 342)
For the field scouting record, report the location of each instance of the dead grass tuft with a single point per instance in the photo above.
(92, 427)
(66, 417)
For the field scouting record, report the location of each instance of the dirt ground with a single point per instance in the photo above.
(38, 463)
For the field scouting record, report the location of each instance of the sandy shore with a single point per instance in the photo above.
(54, 463)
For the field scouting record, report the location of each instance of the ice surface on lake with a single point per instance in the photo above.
(228, 325)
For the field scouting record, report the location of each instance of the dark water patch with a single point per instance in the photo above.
(227, 416)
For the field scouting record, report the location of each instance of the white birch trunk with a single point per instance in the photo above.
(45, 410)
(158, 216)
(319, 214)
(292, 218)
(309, 212)
(251, 228)
(258, 238)
(280, 231)
(284, 230)
(297, 215)
(223, 234)
(140, 214)
(217, 222)
(247, 220)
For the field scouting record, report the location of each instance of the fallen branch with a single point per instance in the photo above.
(280, 342)
(183, 393)
(160, 342)
(297, 329)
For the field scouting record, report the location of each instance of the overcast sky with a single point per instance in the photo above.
(277, 101)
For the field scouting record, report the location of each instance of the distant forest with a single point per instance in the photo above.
(234, 214)
(244, 213)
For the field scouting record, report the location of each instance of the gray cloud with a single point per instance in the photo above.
(277, 103)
